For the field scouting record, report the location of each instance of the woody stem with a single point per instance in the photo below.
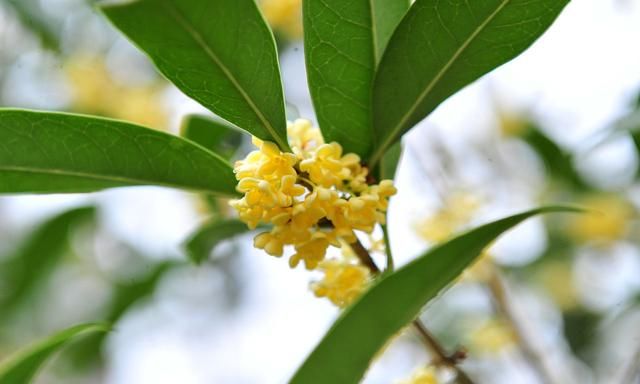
(440, 356)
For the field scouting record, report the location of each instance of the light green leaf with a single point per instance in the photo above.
(219, 137)
(221, 53)
(344, 354)
(440, 47)
(46, 152)
(343, 41)
(200, 244)
(22, 367)
(386, 15)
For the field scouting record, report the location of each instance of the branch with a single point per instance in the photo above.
(439, 354)
(499, 292)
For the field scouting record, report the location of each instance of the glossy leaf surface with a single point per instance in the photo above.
(47, 152)
(344, 354)
(221, 53)
(440, 47)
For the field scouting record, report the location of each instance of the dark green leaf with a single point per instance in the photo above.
(580, 329)
(441, 46)
(45, 152)
(200, 244)
(343, 41)
(344, 354)
(217, 136)
(22, 367)
(37, 257)
(221, 53)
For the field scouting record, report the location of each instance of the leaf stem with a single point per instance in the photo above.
(437, 351)
(498, 290)
(387, 247)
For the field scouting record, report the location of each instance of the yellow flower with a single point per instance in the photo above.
(556, 278)
(94, 90)
(455, 213)
(424, 375)
(512, 125)
(314, 197)
(326, 167)
(607, 222)
(284, 16)
(304, 138)
(343, 282)
(311, 252)
(492, 336)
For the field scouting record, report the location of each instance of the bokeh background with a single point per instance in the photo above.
(561, 123)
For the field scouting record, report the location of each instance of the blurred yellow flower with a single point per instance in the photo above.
(424, 375)
(314, 197)
(607, 221)
(284, 16)
(491, 337)
(511, 125)
(556, 278)
(95, 91)
(455, 213)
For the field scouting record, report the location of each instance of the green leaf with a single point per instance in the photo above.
(343, 42)
(38, 256)
(440, 47)
(390, 161)
(46, 152)
(558, 162)
(221, 53)
(200, 244)
(219, 137)
(344, 354)
(22, 367)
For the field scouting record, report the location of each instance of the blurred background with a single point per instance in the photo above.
(556, 300)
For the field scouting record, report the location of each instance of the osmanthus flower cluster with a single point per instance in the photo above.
(314, 198)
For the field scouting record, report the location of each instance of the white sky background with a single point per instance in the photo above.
(576, 79)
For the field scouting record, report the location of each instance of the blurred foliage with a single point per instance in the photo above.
(28, 267)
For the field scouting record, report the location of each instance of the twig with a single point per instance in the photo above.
(499, 292)
(439, 354)
(387, 248)
(633, 371)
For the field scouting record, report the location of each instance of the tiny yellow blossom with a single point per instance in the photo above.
(343, 282)
(303, 137)
(314, 198)
(492, 337)
(607, 221)
(455, 213)
(284, 16)
(423, 375)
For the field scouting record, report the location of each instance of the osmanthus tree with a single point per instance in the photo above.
(375, 69)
